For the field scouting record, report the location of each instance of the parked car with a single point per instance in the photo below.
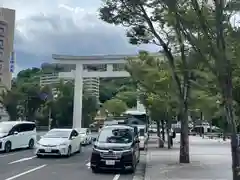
(86, 136)
(61, 142)
(117, 147)
(17, 134)
(143, 137)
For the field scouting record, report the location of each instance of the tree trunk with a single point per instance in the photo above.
(160, 141)
(163, 130)
(228, 106)
(184, 139)
(168, 134)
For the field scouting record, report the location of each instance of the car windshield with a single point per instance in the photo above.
(57, 134)
(141, 132)
(115, 135)
(5, 128)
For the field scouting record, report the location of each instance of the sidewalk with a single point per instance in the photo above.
(210, 160)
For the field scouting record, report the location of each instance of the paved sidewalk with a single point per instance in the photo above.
(210, 160)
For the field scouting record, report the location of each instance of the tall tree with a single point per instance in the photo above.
(115, 107)
(147, 22)
(210, 32)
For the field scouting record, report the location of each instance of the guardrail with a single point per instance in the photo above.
(217, 135)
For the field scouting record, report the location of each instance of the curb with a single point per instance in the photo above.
(141, 170)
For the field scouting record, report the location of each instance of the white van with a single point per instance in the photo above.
(17, 134)
(143, 137)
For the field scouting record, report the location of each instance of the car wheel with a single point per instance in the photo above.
(39, 156)
(31, 144)
(79, 148)
(134, 165)
(8, 146)
(69, 153)
(95, 170)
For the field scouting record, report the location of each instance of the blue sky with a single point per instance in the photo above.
(47, 27)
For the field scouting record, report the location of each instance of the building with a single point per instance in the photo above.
(90, 85)
(7, 55)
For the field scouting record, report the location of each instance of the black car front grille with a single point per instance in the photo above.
(111, 155)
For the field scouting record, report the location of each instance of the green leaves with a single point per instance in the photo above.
(115, 107)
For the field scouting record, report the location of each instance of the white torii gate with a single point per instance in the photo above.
(79, 73)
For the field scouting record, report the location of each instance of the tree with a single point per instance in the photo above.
(115, 107)
(156, 90)
(10, 101)
(129, 97)
(213, 38)
(147, 22)
(89, 110)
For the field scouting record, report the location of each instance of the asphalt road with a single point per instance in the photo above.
(23, 165)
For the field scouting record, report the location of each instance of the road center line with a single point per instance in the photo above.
(116, 177)
(5, 155)
(26, 172)
(23, 159)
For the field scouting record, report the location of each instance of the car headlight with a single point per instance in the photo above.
(63, 144)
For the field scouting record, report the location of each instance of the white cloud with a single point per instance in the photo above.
(63, 26)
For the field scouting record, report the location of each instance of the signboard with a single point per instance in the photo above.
(238, 140)
(12, 62)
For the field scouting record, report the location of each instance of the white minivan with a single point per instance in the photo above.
(17, 134)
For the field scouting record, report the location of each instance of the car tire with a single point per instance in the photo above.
(31, 144)
(8, 147)
(39, 156)
(69, 153)
(95, 170)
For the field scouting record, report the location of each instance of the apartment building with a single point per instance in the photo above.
(7, 55)
(90, 85)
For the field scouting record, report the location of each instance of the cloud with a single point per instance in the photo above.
(64, 27)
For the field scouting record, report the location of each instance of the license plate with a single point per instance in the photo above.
(110, 162)
(48, 150)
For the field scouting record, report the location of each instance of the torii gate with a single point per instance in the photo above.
(109, 61)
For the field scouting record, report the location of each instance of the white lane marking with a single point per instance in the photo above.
(23, 159)
(5, 155)
(116, 177)
(88, 165)
(26, 172)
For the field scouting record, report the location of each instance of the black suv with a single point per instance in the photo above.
(117, 148)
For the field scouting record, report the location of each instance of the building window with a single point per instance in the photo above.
(1, 30)
(1, 55)
(1, 42)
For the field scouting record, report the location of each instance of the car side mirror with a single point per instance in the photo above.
(94, 139)
(73, 137)
(15, 133)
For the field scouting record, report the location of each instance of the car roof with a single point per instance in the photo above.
(59, 129)
(16, 122)
(117, 126)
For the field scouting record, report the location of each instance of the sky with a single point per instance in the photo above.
(71, 27)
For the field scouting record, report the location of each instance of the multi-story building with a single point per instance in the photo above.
(7, 55)
(90, 85)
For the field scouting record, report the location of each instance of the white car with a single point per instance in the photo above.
(62, 142)
(17, 134)
(142, 138)
(85, 134)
